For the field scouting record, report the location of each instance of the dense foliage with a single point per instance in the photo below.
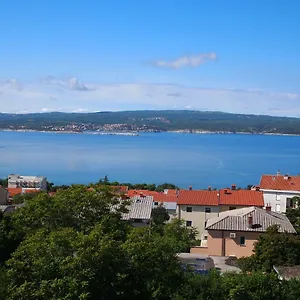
(161, 120)
(74, 245)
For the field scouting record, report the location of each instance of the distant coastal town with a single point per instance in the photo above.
(128, 122)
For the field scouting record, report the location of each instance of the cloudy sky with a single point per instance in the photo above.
(226, 55)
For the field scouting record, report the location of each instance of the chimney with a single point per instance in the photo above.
(268, 208)
(257, 188)
(250, 221)
(286, 177)
(190, 188)
(177, 192)
(209, 188)
(278, 173)
(226, 191)
(233, 187)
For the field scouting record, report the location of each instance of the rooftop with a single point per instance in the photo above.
(280, 182)
(140, 208)
(240, 219)
(222, 197)
(198, 197)
(241, 197)
(288, 272)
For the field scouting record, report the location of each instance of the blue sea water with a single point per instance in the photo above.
(183, 159)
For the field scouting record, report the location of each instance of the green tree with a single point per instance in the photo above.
(22, 198)
(78, 207)
(164, 186)
(181, 238)
(293, 214)
(4, 182)
(159, 215)
(273, 248)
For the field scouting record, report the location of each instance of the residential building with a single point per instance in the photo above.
(27, 182)
(278, 191)
(197, 206)
(234, 232)
(3, 195)
(139, 211)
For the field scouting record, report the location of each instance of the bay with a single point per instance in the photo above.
(197, 160)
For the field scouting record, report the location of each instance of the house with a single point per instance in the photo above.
(287, 272)
(27, 182)
(197, 206)
(278, 191)
(167, 199)
(3, 195)
(234, 232)
(139, 211)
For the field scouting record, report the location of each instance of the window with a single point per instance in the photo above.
(155, 203)
(242, 241)
(188, 223)
(208, 210)
(278, 197)
(189, 209)
(232, 207)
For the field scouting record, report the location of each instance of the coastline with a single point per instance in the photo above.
(138, 133)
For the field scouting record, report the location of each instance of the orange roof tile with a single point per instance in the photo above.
(162, 198)
(172, 192)
(14, 191)
(132, 193)
(280, 182)
(241, 198)
(198, 197)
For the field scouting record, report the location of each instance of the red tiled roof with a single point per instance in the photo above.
(280, 182)
(171, 192)
(198, 197)
(132, 193)
(157, 196)
(161, 197)
(241, 198)
(14, 191)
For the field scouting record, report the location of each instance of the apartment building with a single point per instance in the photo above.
(27, 182)
(278, 191)
(197, 206)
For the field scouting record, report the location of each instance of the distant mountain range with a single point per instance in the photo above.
(151, 120)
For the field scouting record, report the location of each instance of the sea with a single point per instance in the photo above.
(197, 160)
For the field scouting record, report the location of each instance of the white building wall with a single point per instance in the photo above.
(278, 199)
(14, 181)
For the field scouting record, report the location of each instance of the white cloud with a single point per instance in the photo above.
(42, 97)
(192, 61)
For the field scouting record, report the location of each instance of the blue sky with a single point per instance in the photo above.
(235, 56)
